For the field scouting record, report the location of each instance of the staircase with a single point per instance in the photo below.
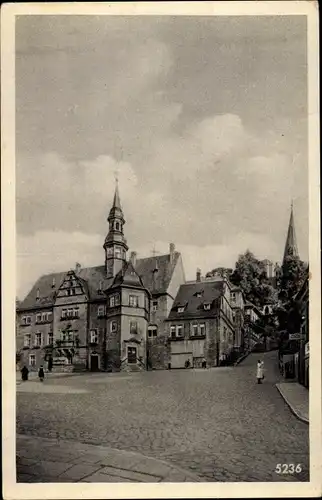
(132, 367)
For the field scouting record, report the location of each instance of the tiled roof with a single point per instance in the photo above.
(92, 276)
(158, 281)
(194, 296)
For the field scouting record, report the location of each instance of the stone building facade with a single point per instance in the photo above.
(201, 325)
(108, 317)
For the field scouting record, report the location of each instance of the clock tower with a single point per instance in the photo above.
(115, 245)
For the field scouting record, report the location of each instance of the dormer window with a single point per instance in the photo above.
(233, 296)
(199, 294)
(206, 307)
(181, 309)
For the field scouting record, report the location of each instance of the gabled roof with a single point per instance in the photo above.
(128, 276)
(188, 294)
(93, 277)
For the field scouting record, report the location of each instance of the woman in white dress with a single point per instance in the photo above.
(260, 371)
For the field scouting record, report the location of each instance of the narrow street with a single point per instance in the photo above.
(217, 423)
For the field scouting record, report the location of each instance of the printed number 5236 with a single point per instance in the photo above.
(288, 468)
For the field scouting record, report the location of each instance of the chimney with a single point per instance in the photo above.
(198, 274)
(172, 249)
(133, 257)
(77, 267)
(53, 283)
(37, 295)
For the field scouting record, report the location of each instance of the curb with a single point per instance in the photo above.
(293, 410)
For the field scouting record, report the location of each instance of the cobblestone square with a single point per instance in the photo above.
(216, 423)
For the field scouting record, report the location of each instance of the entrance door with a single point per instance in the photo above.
(131, 355)
(94, 363)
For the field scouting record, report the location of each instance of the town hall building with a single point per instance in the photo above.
(100, 318)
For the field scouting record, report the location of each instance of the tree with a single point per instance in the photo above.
(220, 271)
(293, 274)
(250, 276)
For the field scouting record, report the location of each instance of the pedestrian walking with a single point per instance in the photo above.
(204, 363)
(24, 373)
(41, 374)
(260, 371)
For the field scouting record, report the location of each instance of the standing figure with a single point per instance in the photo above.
(41, 374)
(260, 371)
(24, 373)
(204, 363)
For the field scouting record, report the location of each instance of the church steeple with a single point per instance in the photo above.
(291, 244)
(115, 245)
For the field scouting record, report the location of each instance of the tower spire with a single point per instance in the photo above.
(291, 244)
(115, 245)
(116, 200)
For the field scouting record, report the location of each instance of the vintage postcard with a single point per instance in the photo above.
(161, 250)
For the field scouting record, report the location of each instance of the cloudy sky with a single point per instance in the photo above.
(205, 119)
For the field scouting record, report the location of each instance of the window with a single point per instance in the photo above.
(26, 320)
(172, 331)
(72, 312)
(179, 331)
(113, 326)
(50, 338)
(181, 309)
(152, 331)
(117, 299)
(32, 360)
(27, 340)
(154, 305)
(134, 301)
(49, 316)
(101, 311)
(94, 336)
(118, 253)
(206, 307)
(133, 327)
(112, 301)
(117, 226)
(38, 318)
(194, 330)
(233, 296)
(198, 330)
(44, 317)
(38, 339)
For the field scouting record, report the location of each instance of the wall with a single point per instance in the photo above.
(32, 329)
(157, 317)
(207, 347)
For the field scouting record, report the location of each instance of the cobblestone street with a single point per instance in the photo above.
(217, 423)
